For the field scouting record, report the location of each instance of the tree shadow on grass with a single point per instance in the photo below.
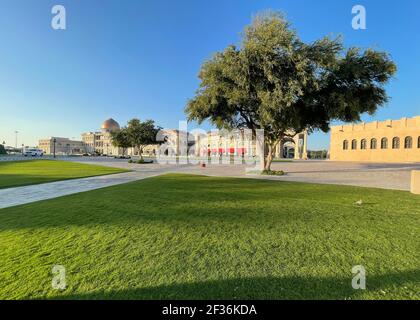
(275, 288)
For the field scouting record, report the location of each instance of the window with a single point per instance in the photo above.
(396, 143)
(354, 144)
(373, 143)
(384, 143)
(418, 142)
(345, 145)
(363, 144)
(408, 142)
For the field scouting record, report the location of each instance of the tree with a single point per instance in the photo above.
(2, 149)
(278, 83)
(121, 139)
(142, 134)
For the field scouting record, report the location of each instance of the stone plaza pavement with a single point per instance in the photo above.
(396, 176)
(378, 175)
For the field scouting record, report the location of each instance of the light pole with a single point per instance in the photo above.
(22, 147)
(54, 140)
(16, 138)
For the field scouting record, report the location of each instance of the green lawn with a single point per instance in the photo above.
(191, 237)
(20, 173)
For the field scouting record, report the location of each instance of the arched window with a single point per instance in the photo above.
(345, 145)
(384, 143)
(395, 143)
(408, 142)
(363, 144)
(354, 144)
(373, 143)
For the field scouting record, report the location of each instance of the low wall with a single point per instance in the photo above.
(415, 181)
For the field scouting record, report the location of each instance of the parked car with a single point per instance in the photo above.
(33, 153)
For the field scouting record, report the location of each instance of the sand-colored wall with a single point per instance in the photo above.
(415, 181)
(405, 127)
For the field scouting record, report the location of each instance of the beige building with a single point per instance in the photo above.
(63, 146)
(175, 143)
(387, 141)
(238, 143)
(296, 148)
(100, 142)
(178, 143)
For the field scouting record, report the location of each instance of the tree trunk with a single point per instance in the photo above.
(270, 155)
(141, 153)
(268, 159)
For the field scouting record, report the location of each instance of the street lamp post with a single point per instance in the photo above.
(16, 139)
(54, 140)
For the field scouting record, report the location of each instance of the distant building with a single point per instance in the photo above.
(63, 146)
(180, 143)
(387, 141)
(100, 142)
(237, 143)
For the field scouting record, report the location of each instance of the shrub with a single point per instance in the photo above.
(141, 161)
(273, 172)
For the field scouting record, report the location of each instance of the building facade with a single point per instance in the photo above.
(175, 143)
(100, 142)
(238, 143)
(387, 141)
(63, 146)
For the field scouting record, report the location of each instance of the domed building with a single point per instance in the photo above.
(100, 142)
(110, 125)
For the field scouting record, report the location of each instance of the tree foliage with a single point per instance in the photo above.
(137, 134)
(141, 134)
(276, 82)
(2, 149)
(121, 139)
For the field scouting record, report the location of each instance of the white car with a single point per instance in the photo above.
(33, 153)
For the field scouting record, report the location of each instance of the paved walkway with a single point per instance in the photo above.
(388, 176)
(21, 195)
(375, 175)
(396, 176)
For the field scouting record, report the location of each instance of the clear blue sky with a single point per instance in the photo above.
(140, 58)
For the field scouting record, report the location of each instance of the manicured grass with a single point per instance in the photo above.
(20, 173)
(192, 237)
